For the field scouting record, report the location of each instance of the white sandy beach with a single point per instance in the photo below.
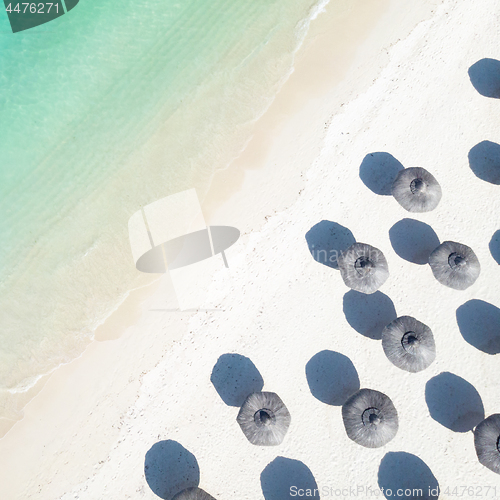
(398, 85)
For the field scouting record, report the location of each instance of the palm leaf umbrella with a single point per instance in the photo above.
(370, 418)
(363, 268)
(193, 494)
(454, 265)
(264, 419)
(416, 190)
(409, 344)
(487, 442)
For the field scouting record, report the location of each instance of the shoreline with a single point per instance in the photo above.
(291, 98)
(182, 109)
(138, 348)
(274, 119)
(321, 83)
(126, 307)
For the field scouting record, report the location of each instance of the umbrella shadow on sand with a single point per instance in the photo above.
(485, 77)
(479, 324)
(368, 314)
(170, 468)
(413, 240)
(484, 161)
(408, 474)
(327, 240)
(235, 377)
(284, 477)
(495, 246)
(332, 377)
(378, 171)
(454, 402)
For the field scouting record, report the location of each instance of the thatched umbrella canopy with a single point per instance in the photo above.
(416, 190)
(409, 344)
(193, 494)
(363, 268)
(370, 418)
(264, 419)
(487, 442)
(454, 265)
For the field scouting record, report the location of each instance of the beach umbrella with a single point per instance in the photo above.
(454, 265)
(487, 442)
(409, 344)
(264, 419)
(416, 190)
(363, 268)
(193, 494)
(370, 418)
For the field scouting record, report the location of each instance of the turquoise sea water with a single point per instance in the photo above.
(103, 110)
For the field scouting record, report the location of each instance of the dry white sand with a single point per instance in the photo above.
(87, 433)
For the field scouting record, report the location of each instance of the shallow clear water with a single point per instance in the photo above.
(104, 110)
